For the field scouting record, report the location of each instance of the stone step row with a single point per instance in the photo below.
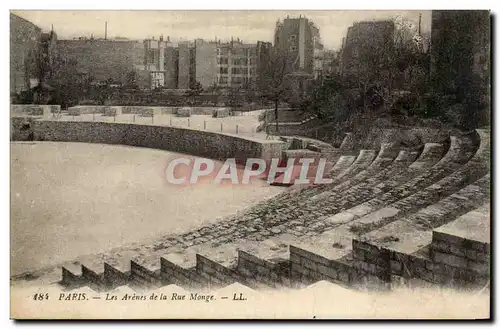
(370, 177)
(458, 153)
(477, 167)
(412, 258)
(448, 173)
(372, 265)
(407, 233)
(377, 199)
(386, 155)
(258, 225)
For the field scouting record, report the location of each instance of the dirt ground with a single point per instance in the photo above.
(72, 199)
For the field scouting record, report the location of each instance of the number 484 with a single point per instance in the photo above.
(38, 296)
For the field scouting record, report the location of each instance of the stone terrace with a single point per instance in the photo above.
(391, 216)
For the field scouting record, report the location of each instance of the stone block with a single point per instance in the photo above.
(480, 268)
(327, 271)
(74, 111)
(221, 113)
(396, 268)
(449, 259)
(184, 112)
(308, 263)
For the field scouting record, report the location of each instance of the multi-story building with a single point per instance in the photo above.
(186, 53)
(48, 54)
(299, 41)
(237, 63)
(171, 65)
(154, 61)
(460, 45)
(318, 52)
(215, 63)
(104, 59)
(25, 41)
(205, 62)
(331, 63)
(367, 51)
(460, 59)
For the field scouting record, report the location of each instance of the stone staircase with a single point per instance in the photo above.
(391, 216)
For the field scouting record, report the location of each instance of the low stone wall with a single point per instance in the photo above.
(307, 267)
(183, 277)
(112, 111)
(147, 110)
(210, 269)
(21, 128)
(141, 276)
(212, 145)
(460, 258)
(35, 110)
(184, 112)
(262, 270)
(221, 113)
(86, 109)
(372, 262)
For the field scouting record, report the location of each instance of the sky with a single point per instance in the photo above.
(249, 26)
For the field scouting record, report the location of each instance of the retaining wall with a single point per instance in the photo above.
(141, 110)
(212, 145)
(36, 110)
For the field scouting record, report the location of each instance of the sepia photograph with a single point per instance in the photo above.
(250, 164)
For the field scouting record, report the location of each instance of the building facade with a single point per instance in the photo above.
(104, 60)
(460, 60)
(25, 46)
(460, 45)
(154, 62)
(171, 65)
(367, 51)
(299, 41)
(185, 65)
(237, 64)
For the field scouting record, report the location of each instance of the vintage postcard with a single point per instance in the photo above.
(250, 164)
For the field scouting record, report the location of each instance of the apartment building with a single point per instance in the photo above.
(25, 42)
(186, 65)
(236, 63)
(154, 61)
(300, 41)
(104, 59)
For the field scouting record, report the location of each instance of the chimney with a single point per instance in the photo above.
(168, 38)
(105, 30)
(419, 24)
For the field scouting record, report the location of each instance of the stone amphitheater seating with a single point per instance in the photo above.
(390, 217)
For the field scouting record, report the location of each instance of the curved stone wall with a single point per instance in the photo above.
(212, 145)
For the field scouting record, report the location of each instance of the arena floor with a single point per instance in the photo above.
(72, 199)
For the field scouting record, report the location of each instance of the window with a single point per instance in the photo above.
(236, 70)
(293, 37)
(223, 80)
(236, 80)
(239, 61)
(223, 70)
(293, 48)
(222, 61)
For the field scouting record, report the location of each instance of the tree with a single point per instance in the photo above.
(131, 79)
(194, 90)
(70, 84)
(235, 97)
(271, 80)
(216, 91)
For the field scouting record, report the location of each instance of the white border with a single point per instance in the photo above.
(199, 4)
